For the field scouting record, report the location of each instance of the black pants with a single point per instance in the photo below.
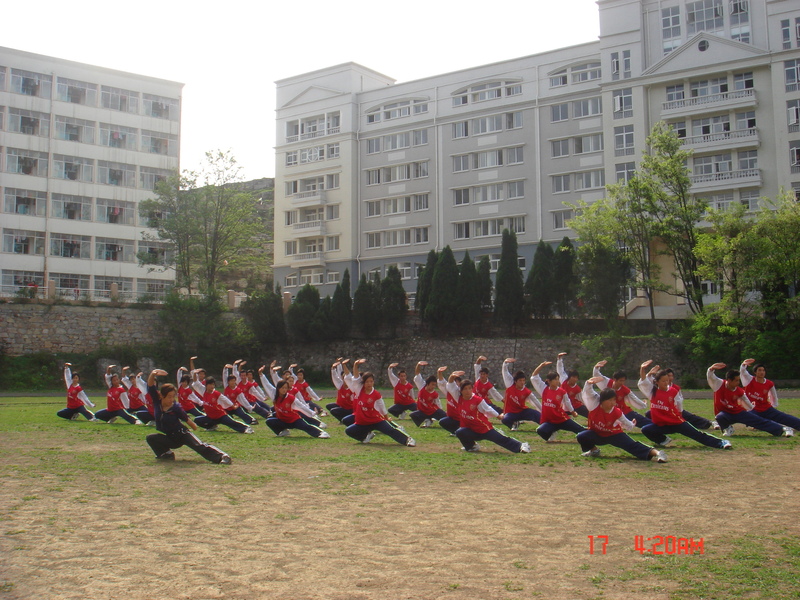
(338, 411)
(696, 420)
(162, 443)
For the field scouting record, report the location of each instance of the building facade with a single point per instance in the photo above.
(372, 173)
(80, 147)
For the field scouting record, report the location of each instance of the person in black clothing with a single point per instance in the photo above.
(171, 421)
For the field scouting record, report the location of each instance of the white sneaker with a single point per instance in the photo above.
(322, 413)
(323, 436)
(322, 425)
(411, 442)
(788, 432)
(666, 442)
(248, 430)
(426, 423)
(515, 426)
(728, 431)
(592, 452)
(93, 420)
(112, 420)
(151, 423)
(369, 437)
(526, 447)
(661, 456)
(74, 417)
(138, 422)
(714, 425)
(226, 460)
(553, 437)
(286, 432)
(726, 445)
(475, 448)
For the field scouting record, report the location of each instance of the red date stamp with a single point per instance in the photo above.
(655, 545)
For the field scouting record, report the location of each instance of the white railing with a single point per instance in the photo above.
(710, 99)
(725, 175)
(308, 225)
(308, 256)
(721, 136)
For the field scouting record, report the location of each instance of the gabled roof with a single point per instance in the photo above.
(313, 93)
(720, 51)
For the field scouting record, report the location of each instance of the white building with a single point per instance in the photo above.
(80, 147)
(371, 172)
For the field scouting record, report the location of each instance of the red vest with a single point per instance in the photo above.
(135, 398)
(552, 411)
(211, 406)
(184, 393)
(603, 423)
(759, 394)
(427, 401)
(344, 397)
(402, 393)
(470, 416)
(113, 401)
(515, 399)
(72, 396)
(621, 393)
(574, 393)
(482, 389)
(301, 387)
(663, 410)
(726, 400)
(284, 410)
(452, 407)
(364, 408)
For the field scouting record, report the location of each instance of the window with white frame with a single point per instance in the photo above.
(488, 158)
(332, 212)
(620, 65)
(516, 189)
(460, 130)
(313, 276)
(461, 231)
(373, 116)
(291, 217)
(114, 249)
(705, 15)
(791, 69)
(516, 225)
(623, 103)
(149, 177)
(675, 93)
(156, 142)
(461, 196)
(397, 110)
(333, 150)
(625, 171)
(25, 202)
(561, 218)
(419, 107)
(460, 100)
(721, 201)
(102, 285)
(711, 125)
(559, 112)
(420, 201)
(590, 179)
(793, 115)
(623, 140)
(290, 247)
(743, 81)
(740, 20)
(708, 87)
(117, 136)
(332, 243)
(73, 168)
(290, 280)
(29, 122)
(74, 208)
(119, 174)
(488, 193)
(312, 154)
(487, 227)
(396, 173)
(514, 120)
(679, 127)
(291, 158)
(71, 285)
(558, 79)
(746, 120)
(119, 212)
(514, 156)
(419, 137)
(22, 241)
(419, 169)
(514, 89)
(373, 145)
(373, 176)
(588, 143)
(331, 181)
(397, 237)
(26, 162)
(155, 253)
(421, 235)
(160, 107)
(587, 107)
(586, 72)
(749, 199)
(373, 208)
(560, 148)
(374, 240)
(119, 99)
(670, 28)
(560, 183)
(334, 277)
(748, 160)
(786, 39)
(397, 141)
(75, 130)
(29, 83)
(404, 268)
(461, 163)
(393, 206)
(487, 91)
(489, 124)
(76, 92)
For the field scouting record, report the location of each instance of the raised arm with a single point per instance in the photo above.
(508, 378)
(714, 382)
(744, 374)
(603, 382)
(269, 389)
(562, 372)
(393, 380)
(589, 396)
(419, 380)
(67, 375)
(336, 375)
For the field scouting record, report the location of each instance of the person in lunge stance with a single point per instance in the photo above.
(77, 400)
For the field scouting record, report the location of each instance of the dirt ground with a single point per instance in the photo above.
(191, 530)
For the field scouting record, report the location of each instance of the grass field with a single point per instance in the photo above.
(87, 513)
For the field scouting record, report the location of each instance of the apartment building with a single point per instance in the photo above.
(372, 173)
(80, 147)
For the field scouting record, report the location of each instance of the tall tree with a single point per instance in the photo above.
(509, 300)
(424, 283)
(540, 283)
(394, 301)
(320, 329)
(302, 311)
(263, 312)
(565, 281)
(469, 295)
(777, 227)
(442, 307)
(485, 284)
(366, 308)
(604, 273)
(341, 309)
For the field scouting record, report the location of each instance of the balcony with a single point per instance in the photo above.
(310, 135)
(710, 103)
(309, 198)
(309, 228)
(307, 259)
(723, 140)
(725, 180)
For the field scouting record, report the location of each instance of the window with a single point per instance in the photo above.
(291, 217)
(395, 173)
(786, 38)
(332, 212)
(740, 20)
(333, 277)
(622, 67)
(586, 72)
(560, 148)
(420, 137)
(373, 145)
(28, 122)
(314, 154)
(623, 140)
(155, 253)
(70, 246)
(25, 202)
(74, 130)
(486, 91)
(460, 100)
(461, 231)
(160, 107)
(588, 143)
(156, 142)
(373, 208)
(421, 235)
(721, 201)
(117, 136)
(461, 197)
(331, 181)
(709, 87)
(102, 285)
(791, 70)
(748, 160)
(516, 189)
(710, 167)
(514, 90)
(119, 174)
(373, 176)
(31, 84)
(75, 208)
(115, 211)
(148, 177)
(374, 240)
(119, 99)
(514, 120)
(560, 183)
(680, 128)
(587, 108)
(488, 193)
(675, 93)
(290, 247)
(460, 130)
(743, 81)
(420, 106)
(333, 150)
(490, 158)
(26, 162)
(712, 126)
(623, 103)
(397, 141)
(746, 120)
(312, 276)
(113, 249)
(372, 116)
(71, 285)
(749, 199)
(420, 201)
(77, 92)
(291, 158)
(395, 206)
(398, 237)
(670, 28)
(514, 156)
(487, 124)
(705, 15)
(793, 115)
(559, 112)
(461, 163)
(419, 169)
(397, 110)
(332, 243)
(590, 180)
(72, 168)
(624, 171)
(487, 227)
(291, 280)
(516, 224)
(558, 79)
(560, 218)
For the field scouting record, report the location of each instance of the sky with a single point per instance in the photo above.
(229, 54)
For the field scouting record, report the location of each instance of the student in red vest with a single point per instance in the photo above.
(403, 392)
(519, 404)
(369, 410)
(556, 407)
(116, 401)
(189, 400)
(343, 407)
(235, 393)
(289, 409)
(215, 404)
(172, 421)
(625, 397)
(308, 394)
(77, 400)
(733, 406)
(429, 407)
(451, 422)
(569, 383)
(761, 392)
(666, 406)
(138, 401)
(474, 414)
(696, 420)
(606, 425)
(484, 387)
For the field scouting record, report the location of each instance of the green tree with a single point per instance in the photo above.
(394, 301)
(367, 307)
(442, 307)
(468, 295)
(565, 281)
(604, 273)
(509, 297)
(302, 311)
(263, 313)
(321, 322)
(540, 283)
(485, 284)
(424, 284)
(777, 226)
(341, 309)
